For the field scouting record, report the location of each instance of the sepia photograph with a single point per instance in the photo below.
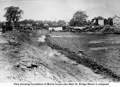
(50, 42)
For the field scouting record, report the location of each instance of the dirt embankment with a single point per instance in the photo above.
(27, 60)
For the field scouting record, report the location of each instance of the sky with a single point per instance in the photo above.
(62, 9)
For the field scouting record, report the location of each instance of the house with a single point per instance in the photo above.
(116, 20)
(98, 21)
(56, 28)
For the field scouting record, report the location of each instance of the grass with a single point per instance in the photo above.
(99, 69)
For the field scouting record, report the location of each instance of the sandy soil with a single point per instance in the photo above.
(28, 63)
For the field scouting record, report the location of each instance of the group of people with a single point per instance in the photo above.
(6, 27)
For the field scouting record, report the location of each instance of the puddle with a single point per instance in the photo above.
(99, 48)
(93, 42)
(65, 36)
(41, 39)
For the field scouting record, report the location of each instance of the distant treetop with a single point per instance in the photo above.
(13, 14)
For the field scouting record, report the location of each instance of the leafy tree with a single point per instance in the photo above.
(13, 14)
(110, 21)
(61, 23)
(79, 19)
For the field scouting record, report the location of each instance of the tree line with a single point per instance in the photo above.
(40, 23)
(14, 14)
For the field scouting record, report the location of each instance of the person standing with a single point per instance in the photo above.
(3, 27)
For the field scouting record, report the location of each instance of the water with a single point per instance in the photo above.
(103, 49)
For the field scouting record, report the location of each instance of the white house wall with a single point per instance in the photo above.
(116, 20)
(101, 22)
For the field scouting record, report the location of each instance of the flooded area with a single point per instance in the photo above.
(102, 49)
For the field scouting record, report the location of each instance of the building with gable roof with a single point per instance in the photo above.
(116, 20)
